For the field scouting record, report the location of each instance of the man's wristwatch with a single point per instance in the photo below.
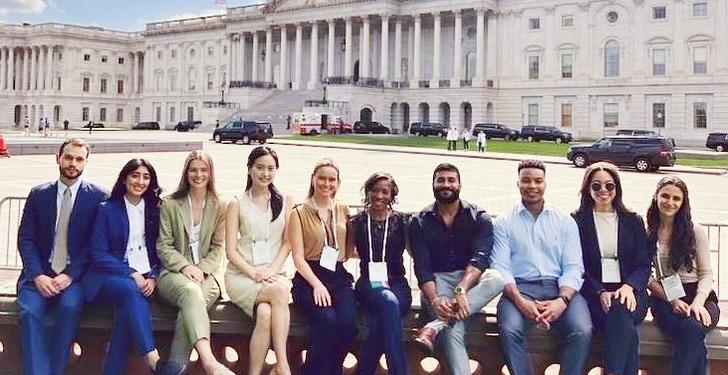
(565, 299)
(458, 290)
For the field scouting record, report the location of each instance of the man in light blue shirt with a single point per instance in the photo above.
(538, 253)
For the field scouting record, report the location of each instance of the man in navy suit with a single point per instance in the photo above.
(53, 240)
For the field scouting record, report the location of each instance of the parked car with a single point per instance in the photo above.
(428, 128)
(496, 131)
(370, 127)
(645, 153)
(96, 125)
(245, 131)
(636, 132)
(184, 126)
(146, 125)
(535, 133)
(717, 141)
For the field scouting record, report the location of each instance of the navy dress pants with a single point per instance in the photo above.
(46, 351)
(384, 309)
(132, 322)
(332, 329)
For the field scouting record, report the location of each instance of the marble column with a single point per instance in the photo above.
(283, 65)
(479, 79)
(33, 69)
(3, 61)
(269, 55)
(25, 69)
(366, 48)
(241, 55)
(254, 60)
(457, 58)
(384, 65)
(297, 84)
(349, 45)
(398, 50)
(416, 64)
(313, 77)
(231, 53)
(41, 79)
(331, 49)
(722, 37)
(49, 68)
(436, 58)
(135, 72)
(491, 71)
(11, 68)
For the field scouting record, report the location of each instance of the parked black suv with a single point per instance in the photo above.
(645, 153)
(717, 141)
(184, 126)
(245, 131)
(146, 125)
(428, 128)
(370, 127)
(535, 133)
(496, 131)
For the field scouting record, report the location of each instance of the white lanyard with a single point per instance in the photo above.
(250, 220)
(192, 211)
(384, 242)
(323, 226)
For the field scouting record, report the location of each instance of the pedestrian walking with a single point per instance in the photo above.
(482, 141)
(26, 125)
(452, 139)
(46, 127)
(466, 139)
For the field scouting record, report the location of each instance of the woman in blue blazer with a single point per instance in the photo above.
(616, 264)
(124, 265)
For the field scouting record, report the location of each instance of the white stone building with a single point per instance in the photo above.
(589, 66)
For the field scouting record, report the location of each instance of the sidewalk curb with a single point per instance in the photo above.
(461, 154)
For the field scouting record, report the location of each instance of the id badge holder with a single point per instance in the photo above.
(139, 260)
(673, 287)
(610, 271)
(261, 253)
(329, 256)
(378, 274)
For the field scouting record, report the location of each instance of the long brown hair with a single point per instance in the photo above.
(320, 164)
(682, 238)
(184, 184)
(587, 203)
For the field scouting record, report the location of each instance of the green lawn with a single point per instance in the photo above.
(494, 145)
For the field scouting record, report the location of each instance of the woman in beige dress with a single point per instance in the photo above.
(257, 249)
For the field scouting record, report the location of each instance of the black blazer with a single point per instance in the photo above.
(634, 260)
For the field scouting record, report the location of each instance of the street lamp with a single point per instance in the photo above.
(222, 94)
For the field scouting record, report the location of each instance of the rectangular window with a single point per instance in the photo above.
(700, 60)
(658, 115)
(659, 60)
(159, 54)
(567, 66)
(174, 53)
(104, 59)
(566, 115)
(192, 84)
(701, 114)
(84, 114)
(102, 114)
(59, 83)
(700, 9)
(533, 67)
(171, 114)
(158, 86)
(567, 21)
(86, 57)
(119, 115)
(86, 84)
(210, 79)
(659, 13)
(158, 114)
(611, 115)
(224, 78)
(121, 61)
(210, 51)
(534, 23)
(103, 85)
(120, 86)
(173, 82)
(533, 114)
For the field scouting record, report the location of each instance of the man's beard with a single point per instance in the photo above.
(452, 198)
(63, 173)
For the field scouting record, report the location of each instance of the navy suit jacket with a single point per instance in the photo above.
(109, 244)
(38, 229)
(634, 260)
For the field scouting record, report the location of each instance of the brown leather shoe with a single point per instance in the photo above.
(425, 338)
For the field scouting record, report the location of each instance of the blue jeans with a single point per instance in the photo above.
(132, 322)
(384, 308)
(573, 329)
(619, 331)
(332, 329)
(46, 352)
(451, 340)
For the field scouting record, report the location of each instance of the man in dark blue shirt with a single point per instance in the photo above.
(451, 242)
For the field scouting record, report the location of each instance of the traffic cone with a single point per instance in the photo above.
(4, 152)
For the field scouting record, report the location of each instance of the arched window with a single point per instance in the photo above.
(611, 59)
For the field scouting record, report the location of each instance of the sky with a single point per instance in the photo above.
(122, 15)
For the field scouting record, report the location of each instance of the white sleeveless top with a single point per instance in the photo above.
(256, 225)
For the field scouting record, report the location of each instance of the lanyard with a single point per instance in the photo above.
(250, 220)
(323, 226)
(660, 271)
(192, 211)
(384, 242)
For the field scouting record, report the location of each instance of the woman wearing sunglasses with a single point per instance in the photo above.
(617, 266)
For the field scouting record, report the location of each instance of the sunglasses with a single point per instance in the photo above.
(596, 186)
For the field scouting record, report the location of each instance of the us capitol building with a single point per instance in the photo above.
(587, 66)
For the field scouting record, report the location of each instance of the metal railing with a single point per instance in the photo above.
(11, 211)
(252, 84)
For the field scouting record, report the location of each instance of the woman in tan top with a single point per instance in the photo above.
(322, 287)
(683, 302)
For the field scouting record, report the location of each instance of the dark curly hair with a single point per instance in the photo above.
(372, 180)
(531, 163)
(587, 203)
(682, 238)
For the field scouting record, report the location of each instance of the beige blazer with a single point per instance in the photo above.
(173, 246)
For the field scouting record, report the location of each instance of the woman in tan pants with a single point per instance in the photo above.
(190, 246)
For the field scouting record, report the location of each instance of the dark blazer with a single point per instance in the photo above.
(109, 243)
(38, 229)
(634, 261)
